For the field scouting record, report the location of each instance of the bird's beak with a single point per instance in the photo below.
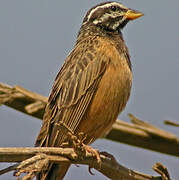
(132, 14)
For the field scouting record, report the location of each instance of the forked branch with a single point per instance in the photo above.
(34, 160)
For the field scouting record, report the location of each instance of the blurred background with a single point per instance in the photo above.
(37, 35)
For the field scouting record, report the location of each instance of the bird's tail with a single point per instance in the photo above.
(55, 172)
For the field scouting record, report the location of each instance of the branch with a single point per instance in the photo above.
(144, 135)
(171, 123)
(23, 100)
(35, 160)
(137, 133)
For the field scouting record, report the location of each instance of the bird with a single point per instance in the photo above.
(93, 85)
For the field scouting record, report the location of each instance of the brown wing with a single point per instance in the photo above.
(73, 90)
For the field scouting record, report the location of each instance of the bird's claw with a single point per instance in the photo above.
(96, 154)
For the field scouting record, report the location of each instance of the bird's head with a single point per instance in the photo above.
(111, 16)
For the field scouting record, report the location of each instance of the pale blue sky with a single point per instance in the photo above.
(37, 35)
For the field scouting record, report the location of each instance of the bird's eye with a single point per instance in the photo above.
(113, 8)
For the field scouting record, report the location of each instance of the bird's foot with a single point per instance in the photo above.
(95, 153)
(32, 167)
(92, 151)
(77, 142)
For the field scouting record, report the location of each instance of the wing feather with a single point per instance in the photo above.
(72, 92)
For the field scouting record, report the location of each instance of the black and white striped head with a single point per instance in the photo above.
(110, 15)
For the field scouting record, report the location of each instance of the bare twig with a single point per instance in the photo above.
(137, 133)
(162, 170)
(8, 169)
(23, 100)
(145, 135)
(33, 160)
(171, 123)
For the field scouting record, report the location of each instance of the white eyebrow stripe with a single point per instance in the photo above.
(104, 17)
(105, 6)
